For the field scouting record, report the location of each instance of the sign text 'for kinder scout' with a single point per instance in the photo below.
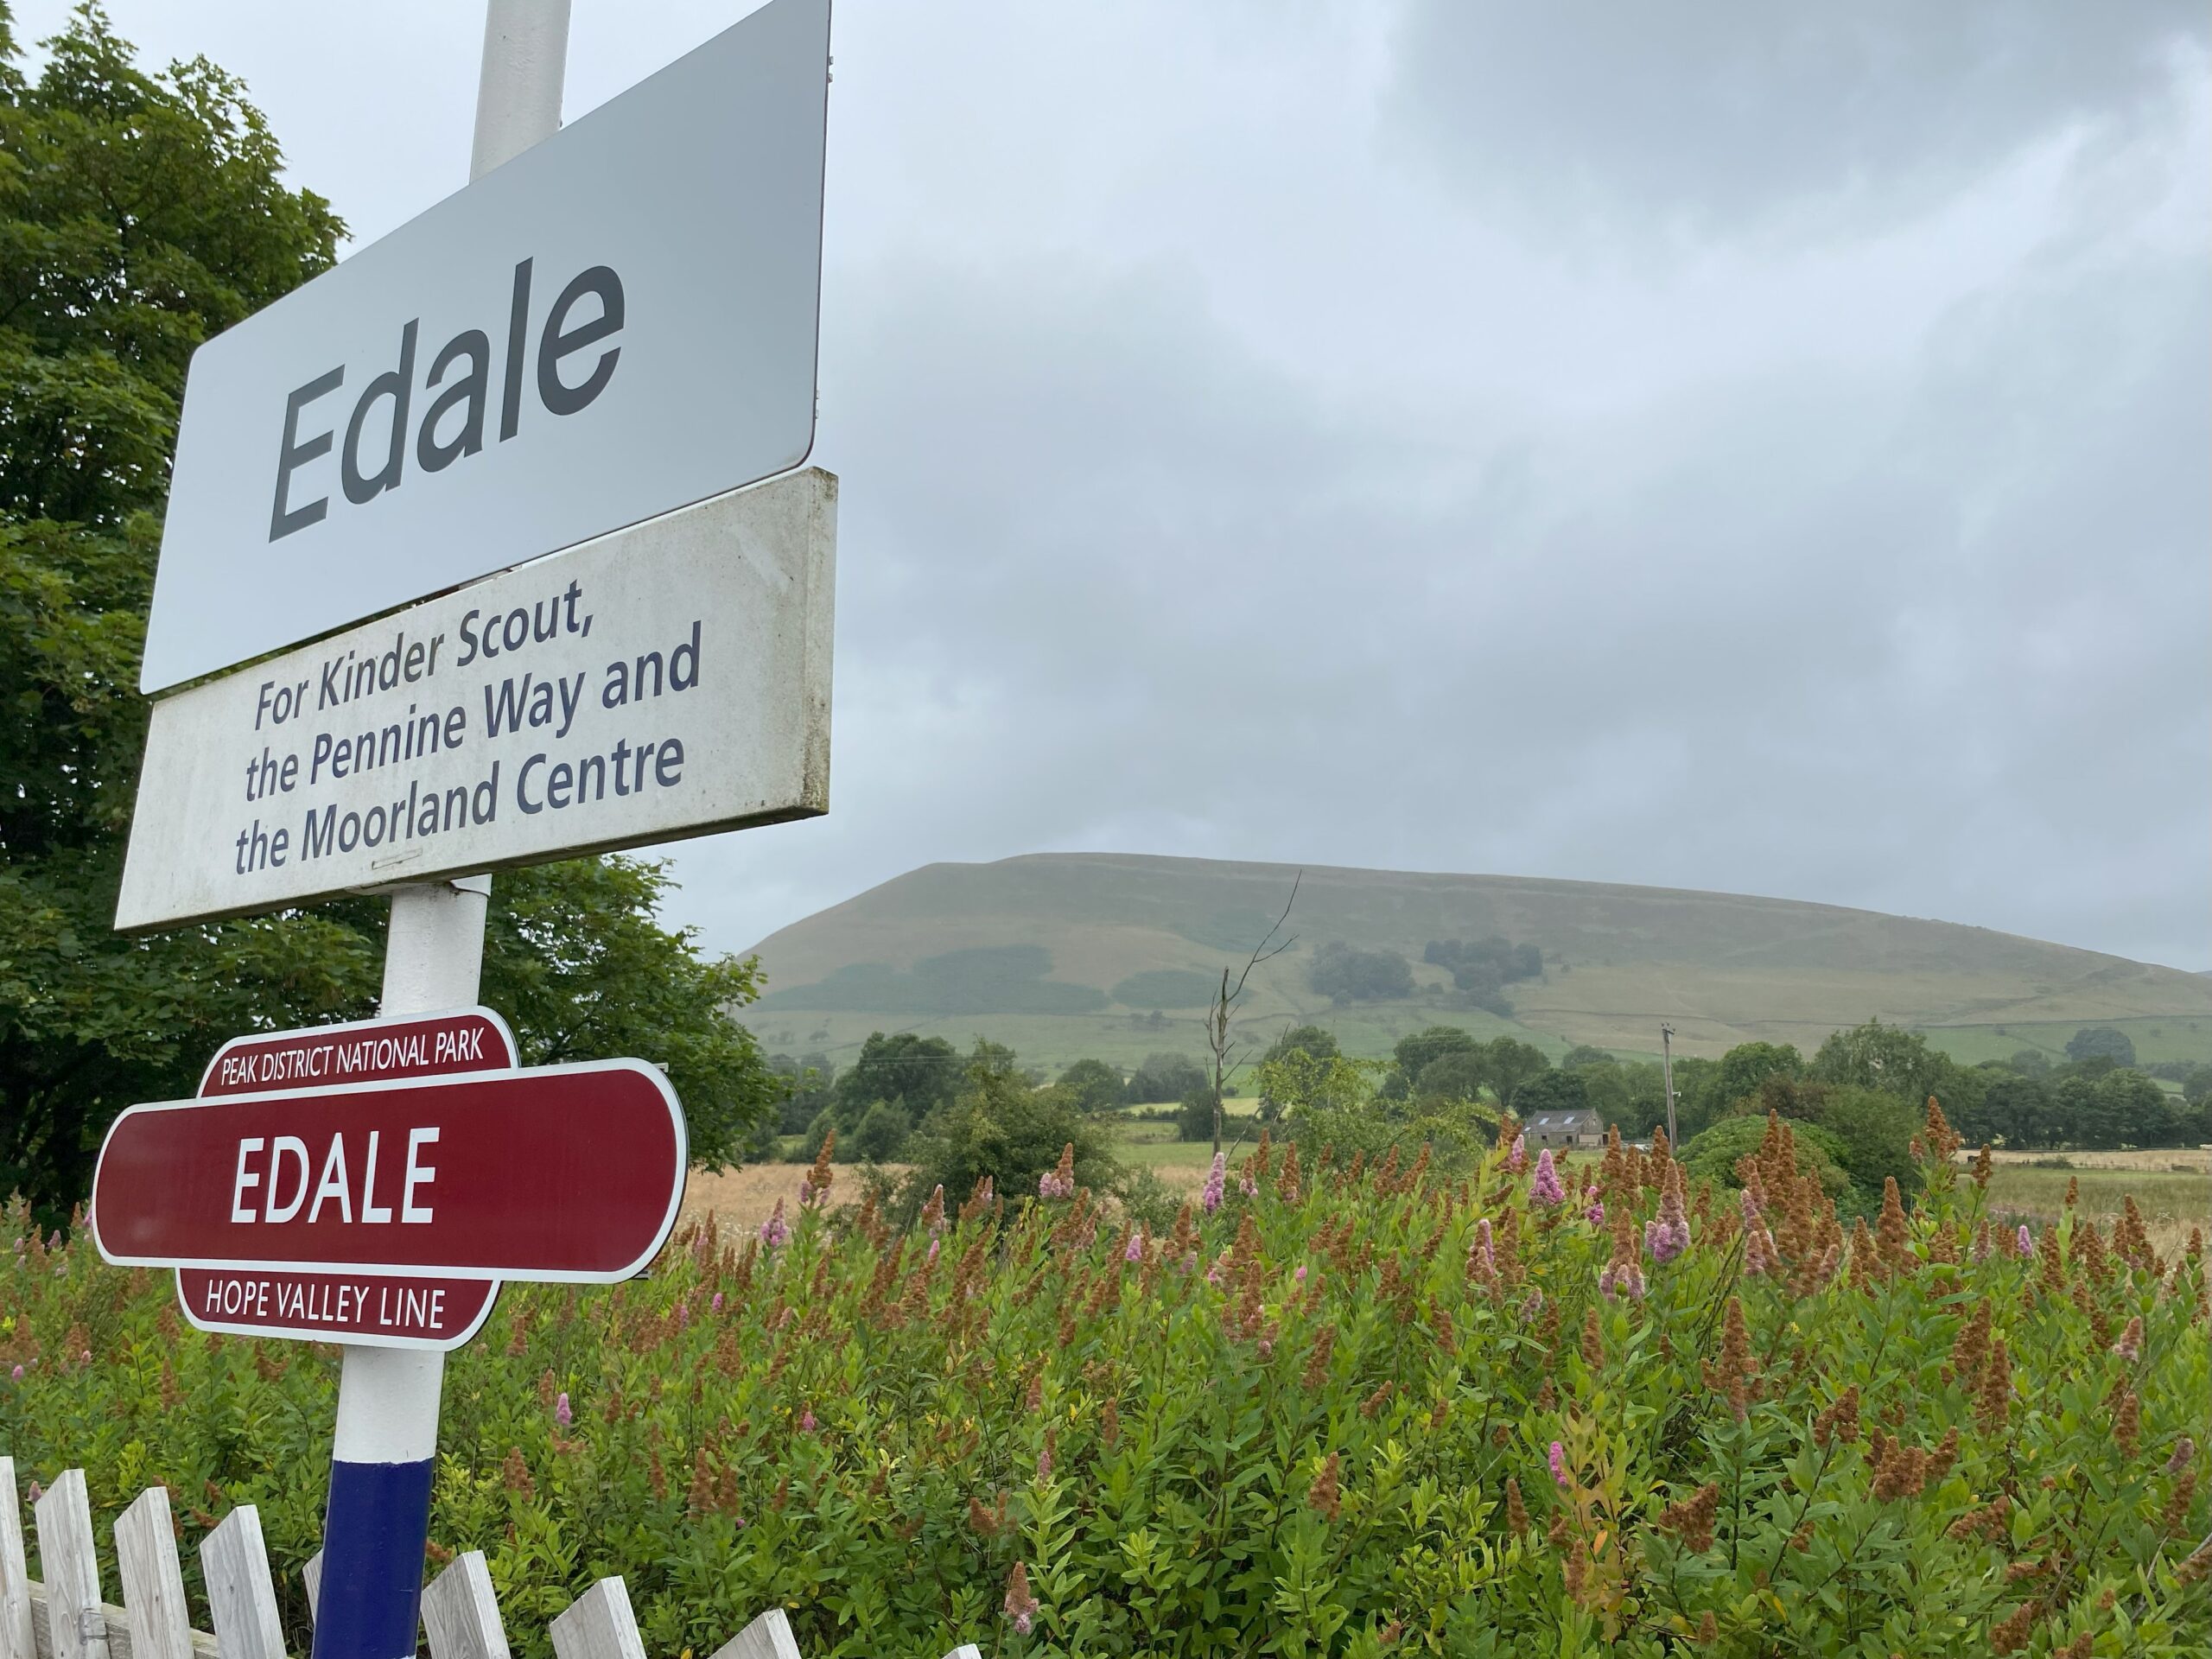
(564, 1173)
(399, 1312)
(670, 680)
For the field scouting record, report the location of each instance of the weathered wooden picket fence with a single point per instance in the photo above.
(66, 1617)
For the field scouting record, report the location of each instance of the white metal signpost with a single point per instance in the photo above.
(588, 354)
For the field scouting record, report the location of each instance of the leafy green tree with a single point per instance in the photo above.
(1345, 973)
(1582, 1056)
(1887, 1058)
(883, 1132)
(1552, 1091)
(922, 1072)
(1169, 1076)
(2105, 1042)
(2197, 1085)
(2030, 1063)
(1095, 1085)
(1317, 1081)
(2019, 1111)
(1460, 1075)
(140, 214)
(1413, 1052)
(1876, 1129)
(1508, 1063)
(1747, 1065)
(999, 1123)
(1306, 1040)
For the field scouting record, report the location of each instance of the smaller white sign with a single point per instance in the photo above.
(668, 680)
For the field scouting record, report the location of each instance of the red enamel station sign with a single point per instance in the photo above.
(370, 1308)
(561, 1172)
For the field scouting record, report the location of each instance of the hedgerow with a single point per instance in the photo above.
(1344, 1409)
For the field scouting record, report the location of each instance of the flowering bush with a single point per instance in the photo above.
(1360, 1409)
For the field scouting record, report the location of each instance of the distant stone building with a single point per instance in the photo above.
(1562, 1129)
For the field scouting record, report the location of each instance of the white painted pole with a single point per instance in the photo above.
(385, 1444)
(518, 94)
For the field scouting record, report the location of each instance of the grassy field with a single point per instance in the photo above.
(917, 953)
(2164, 1037)
(2173, 1189)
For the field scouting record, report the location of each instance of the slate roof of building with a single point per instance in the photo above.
(1584, 1120)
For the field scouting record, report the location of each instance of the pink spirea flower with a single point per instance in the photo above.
(1021, 1623)
(1050, 1185)
(776, 1230)
(933, 1244)
(36, 1492)
(806, 1421)
(1245, 1186)
(563, 1414)
(1595, 1215)
(1045, 1464)
(1483, 1250)
(18, 1373)
(2185, 1449)
(805, 1192)
(2024, 1246)
(1516, 1156)
(1216, 1179)
(1626, 1280)
(1559, 1462)
(716, 1304)
(1134, 1250)
(1546, 1188)
(1299, 1278)
(683, 1316)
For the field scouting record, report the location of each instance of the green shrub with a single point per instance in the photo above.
(1712, 1156)
(1194, 1118)
(882, 1133)
(1310, 1423)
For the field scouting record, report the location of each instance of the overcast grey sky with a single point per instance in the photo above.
(1757, 447)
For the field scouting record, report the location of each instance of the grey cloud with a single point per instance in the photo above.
(1712, 117)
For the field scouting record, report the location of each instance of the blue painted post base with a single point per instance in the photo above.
(374, 1541)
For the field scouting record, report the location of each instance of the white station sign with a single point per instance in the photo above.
(668, 680)
(618, 322)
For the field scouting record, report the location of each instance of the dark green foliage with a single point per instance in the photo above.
(1413, 1053)
(1747, 1065)
(2118, 1108)
(1582, 1055)
(1194, 1117)
(1460, 1075)
(988, 979)
(1875, 1129)
(1094, 1085)
(2105, 1042)
(924, 1072)
(999, 1124)
(1481, 968)
(882, 1133)
(1712, 1155)
(1345, 973)
(1166, 1076)
(2030, 1063)
(1508, 1063)
(1551, 1091)
(1166, 988)
(806, 1085)
(1310, 1040)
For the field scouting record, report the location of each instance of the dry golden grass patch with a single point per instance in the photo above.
(740, 1198)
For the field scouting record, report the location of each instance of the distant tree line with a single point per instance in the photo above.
(1480, 970)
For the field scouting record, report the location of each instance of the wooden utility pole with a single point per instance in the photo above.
(1666, 1070)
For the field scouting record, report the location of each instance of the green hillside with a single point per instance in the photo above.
(1062, 955)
